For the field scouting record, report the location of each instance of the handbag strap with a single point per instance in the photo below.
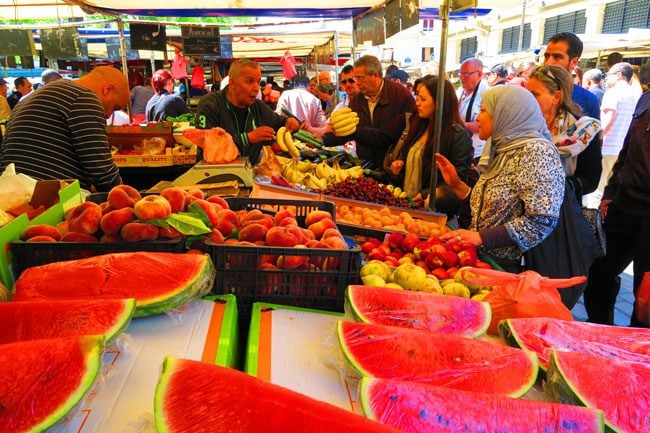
(468, 114)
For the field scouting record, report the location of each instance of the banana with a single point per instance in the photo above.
(304, 166)
(291, 146)
(279, 138)
(342, 122)
(347, 131)
(340, 112)
(390, 187)
(403, 195)
(397, 191)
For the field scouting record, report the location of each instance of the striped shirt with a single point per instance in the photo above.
(59, 132)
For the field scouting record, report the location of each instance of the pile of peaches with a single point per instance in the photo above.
(385, 219)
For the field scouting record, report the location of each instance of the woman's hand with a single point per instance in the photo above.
(450, 176)
(396, 166)
(463, 235)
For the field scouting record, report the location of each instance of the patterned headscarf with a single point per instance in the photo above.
(516, 118)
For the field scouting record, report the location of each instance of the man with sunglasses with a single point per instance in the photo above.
(472, 86)
(348, 84)
(564, 49)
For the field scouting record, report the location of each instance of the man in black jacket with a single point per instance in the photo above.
(23, 87)
(249, 121)
(625, 207)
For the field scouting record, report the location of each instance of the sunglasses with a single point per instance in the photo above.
(349, 80)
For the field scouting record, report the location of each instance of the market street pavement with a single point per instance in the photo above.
(624, 302)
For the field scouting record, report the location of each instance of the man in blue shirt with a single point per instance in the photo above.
(564, 49)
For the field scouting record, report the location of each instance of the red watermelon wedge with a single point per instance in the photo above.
(620, 389)
(542, 334)
(418, 310)
(32, 320)
(196, 397)
(418, 407)
(43, 380)
(438, 359)
(157, 281)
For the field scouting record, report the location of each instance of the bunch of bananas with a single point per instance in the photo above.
(318, 176)
(285, 140)
(291, 172)
(344, 121)
(397, 191)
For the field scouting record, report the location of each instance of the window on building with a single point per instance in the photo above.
(622, 15)
(427, 25)
(468, 48)
(510, 39)
(574, 22)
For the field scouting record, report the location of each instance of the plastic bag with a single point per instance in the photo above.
(151, 146)
(269, 165)
(15, 189)
(218, 146)
(642, 309)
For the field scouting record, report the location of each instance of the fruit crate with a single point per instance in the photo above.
(28, 254)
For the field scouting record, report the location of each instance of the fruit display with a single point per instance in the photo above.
(417, 310)
(157, 281)
(366, 189)
(54, 376)
(451, 361)
(344, 121)
(417, 407)
(387, 219)
(618, 388)
(194, 396)
(317, 176)
(34, 320)
(542, 334)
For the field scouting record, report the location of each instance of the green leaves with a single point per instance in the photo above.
(188, 224)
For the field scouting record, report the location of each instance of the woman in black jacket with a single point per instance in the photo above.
(412, 168)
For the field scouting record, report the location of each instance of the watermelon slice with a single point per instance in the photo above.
(32, 320)
(44, 379)
(196, 397)
(541, 334)
(157, 281)
(418, 310)
(620, 389)
(419, 407)
(439, 359)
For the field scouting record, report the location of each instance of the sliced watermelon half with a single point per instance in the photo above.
(418, 310)
(419, 407)
(620, 389)
(451, 361)
(542, 334)
(33, 320)
(43, 380)
(197, 397)
(157, 281)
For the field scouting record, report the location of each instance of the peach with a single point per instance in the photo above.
(316, 215)
(218, 200)
(284, 213)
(216, 237)
(231, 241)
(228, 221)
(265, 220)
(293, 262)
(78, 237)
(196, 192)
(188, 199)
(63, 227)
(41, 230)
(85, 218)
(176, 198)
(110, 238)
(209, 208)
(280, 237)
(251, 214)
(308, 234)
(152, 207)
(319, 227)
(335, 243)
(123, 196)
(313, 243)
(112, 222)
(252, 233)
(41, 238)
(135, 231)
(287, 221)
(299, 233)
(105, 207)
(169, 233)
(332, 233)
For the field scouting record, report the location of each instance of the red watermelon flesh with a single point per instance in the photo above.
(620, 389)
(418, 310)
(418, 407)
(32, 320)
(542, 334)
(157, 281)
(43, 380)
(196, 397)
(451, 361)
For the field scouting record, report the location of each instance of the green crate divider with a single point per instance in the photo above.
(8, 233)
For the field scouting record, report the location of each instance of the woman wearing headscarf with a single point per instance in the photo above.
(571, 132)
(516, 200)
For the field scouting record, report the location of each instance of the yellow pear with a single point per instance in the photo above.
(373, 280)
(376, 267)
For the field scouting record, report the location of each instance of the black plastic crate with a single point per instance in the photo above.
(28, 254)
(271, 206)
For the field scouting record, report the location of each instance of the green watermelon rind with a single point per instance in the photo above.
(348, 356)
(559, 388)
(123, 320)
(512, 339)
(358, 316)
(169, 365)
(199, 285)
(93, 355)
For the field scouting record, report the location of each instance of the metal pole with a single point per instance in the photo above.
(520, 45)
(440, 95)
(125, 67)
(336, 59)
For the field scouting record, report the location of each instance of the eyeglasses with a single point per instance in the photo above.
(468, 74)
(349, 80)
(544, 71)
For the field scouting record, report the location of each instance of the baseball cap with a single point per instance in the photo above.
(399, 74)
(500, 70)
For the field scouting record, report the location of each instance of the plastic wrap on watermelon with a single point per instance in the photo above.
(618, 388)
(371, 350)
(417, 407)
(527, 294)
(159, 282)
(642, 308)
(417, 310)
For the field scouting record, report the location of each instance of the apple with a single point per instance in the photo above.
(394, 239)
(466, 258)
(409, 242)
(440, 273)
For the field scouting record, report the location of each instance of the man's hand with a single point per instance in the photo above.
(261, 134)
(396, 166)
(603, 206)
(292, 124)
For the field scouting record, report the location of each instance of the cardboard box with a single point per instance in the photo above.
(58, 196)
(126, 137)
(143, 160)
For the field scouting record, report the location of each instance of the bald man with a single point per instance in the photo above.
(59, 132)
